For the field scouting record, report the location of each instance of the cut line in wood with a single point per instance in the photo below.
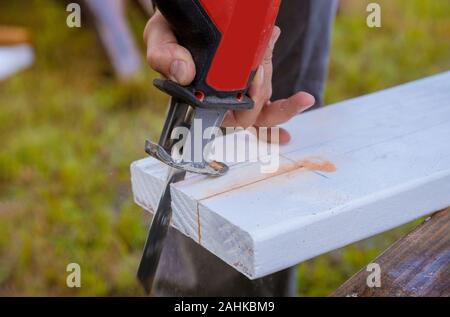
(353, 170)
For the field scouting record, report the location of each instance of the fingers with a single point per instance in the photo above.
(281, 111)
(230, 120)
(164, 54)
(282, 137)
(246, 118)
(274, 114)
(269, 52)
(261, 88)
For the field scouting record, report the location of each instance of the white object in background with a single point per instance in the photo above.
(15, 58)
(391, 150)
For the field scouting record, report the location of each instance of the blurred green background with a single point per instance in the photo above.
(69, 132)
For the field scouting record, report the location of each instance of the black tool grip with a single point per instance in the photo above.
(196, 31)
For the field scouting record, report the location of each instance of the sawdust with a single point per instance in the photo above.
(313, 163)
(317, 164)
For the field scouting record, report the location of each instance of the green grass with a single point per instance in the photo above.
(69, 132)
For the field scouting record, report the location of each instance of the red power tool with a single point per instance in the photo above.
(227, 39)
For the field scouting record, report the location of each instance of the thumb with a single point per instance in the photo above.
(165, 55)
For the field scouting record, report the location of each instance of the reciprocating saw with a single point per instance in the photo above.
(227, 40)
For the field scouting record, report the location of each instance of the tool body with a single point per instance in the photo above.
(227, 40)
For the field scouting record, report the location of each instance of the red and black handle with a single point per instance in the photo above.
(227, 39)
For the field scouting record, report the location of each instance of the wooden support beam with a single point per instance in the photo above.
(353, 170)
(416, 265)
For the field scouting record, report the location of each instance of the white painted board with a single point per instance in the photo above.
(353, 170)
(15, 58)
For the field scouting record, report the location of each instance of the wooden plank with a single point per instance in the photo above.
(354, 169)
(14, 58)
(12, 35)
(416, 265)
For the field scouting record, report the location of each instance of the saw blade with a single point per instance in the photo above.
(201, 121)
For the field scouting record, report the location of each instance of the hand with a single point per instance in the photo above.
(175, 62)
